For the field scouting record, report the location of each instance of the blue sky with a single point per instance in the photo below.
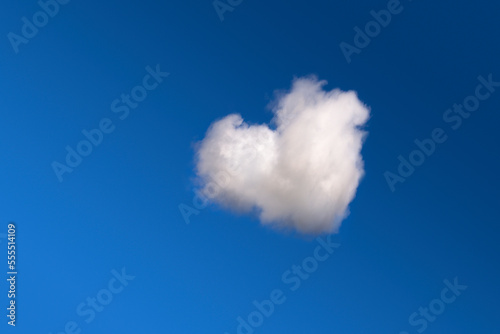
(118, 209)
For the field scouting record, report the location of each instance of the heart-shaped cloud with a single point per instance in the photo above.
(302, 173)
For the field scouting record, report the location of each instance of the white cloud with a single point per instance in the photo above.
(301, 173)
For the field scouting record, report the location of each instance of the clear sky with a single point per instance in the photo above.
(116, 214)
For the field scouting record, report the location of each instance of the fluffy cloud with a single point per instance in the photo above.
(302, 172)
